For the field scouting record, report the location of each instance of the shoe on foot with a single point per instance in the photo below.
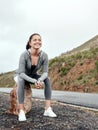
(49, 113)
(21, 116)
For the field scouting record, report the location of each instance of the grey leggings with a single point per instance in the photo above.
(21, 84)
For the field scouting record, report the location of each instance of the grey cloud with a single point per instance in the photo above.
(63, 26)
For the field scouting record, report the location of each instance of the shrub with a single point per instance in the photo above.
(96, 63)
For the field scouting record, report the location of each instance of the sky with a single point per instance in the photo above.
(62, 24)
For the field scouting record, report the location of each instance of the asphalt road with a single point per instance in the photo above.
(89, 100)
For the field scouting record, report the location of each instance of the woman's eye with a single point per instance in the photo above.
(34, 40)
(39, 40)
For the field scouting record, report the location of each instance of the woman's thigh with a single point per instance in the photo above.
(36, 76)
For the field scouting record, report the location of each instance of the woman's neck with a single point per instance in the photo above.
(34, 52)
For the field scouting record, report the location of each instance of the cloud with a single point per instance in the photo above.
(63, 26)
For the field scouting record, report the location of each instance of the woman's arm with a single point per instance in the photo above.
(44, 68)
(22, 69)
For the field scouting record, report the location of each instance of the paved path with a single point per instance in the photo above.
(74, 98)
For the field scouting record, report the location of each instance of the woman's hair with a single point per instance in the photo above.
(28, 45)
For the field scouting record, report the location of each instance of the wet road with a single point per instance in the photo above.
(75, 98)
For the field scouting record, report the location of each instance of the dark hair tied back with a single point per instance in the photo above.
(28, 45)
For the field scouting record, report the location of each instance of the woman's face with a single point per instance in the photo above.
(36, 42)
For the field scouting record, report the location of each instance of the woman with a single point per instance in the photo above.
(30, 62)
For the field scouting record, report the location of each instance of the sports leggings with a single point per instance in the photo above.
(21, 84)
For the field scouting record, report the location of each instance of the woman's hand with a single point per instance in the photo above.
(38, 84)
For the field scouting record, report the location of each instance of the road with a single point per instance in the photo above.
(89, 100)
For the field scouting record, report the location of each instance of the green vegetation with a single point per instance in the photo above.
(96, 63)
(6, 79)
(71, 71)
(65, 63)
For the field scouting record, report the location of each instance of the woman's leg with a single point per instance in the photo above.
(20, 91)
(47, 90)
(47, 93)
(20, 95)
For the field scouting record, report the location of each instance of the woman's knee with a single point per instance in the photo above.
(20, 79)
(47, 82)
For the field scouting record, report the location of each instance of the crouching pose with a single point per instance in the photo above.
(31, 60)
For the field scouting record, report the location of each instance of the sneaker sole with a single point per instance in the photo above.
(49, 116)
(22, 120)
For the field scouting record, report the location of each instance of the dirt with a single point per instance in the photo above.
(68, 117)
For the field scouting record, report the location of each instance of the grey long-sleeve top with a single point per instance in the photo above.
(25, 64)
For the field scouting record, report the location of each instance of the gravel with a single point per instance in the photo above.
(68, 117)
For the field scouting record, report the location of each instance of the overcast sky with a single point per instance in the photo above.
(63, 25)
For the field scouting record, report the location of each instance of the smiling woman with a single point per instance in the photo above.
(37, 38)
(30, 62)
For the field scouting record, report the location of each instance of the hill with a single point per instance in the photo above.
(73, 71)
(92, 43)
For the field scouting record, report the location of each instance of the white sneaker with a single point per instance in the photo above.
(49, 113)
(21, 116)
